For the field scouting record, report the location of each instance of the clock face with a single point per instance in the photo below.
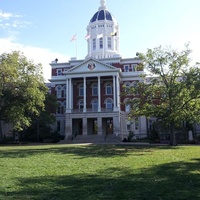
(91, 66)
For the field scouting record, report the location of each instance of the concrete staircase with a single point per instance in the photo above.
(94, 139)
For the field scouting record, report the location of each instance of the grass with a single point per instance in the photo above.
(93, 172)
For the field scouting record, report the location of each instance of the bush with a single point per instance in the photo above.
(130, 136)
(154, 136)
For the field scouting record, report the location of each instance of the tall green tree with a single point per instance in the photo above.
(170, 90)
(22, 90)
(41, 125)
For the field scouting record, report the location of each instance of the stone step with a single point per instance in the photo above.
(91, 139)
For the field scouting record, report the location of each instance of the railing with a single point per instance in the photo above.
(88, 110)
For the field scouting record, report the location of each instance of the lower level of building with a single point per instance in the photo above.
(101, 124)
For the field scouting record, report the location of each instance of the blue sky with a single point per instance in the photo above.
(42, 29)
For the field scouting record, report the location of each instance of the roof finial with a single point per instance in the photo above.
(103, 5)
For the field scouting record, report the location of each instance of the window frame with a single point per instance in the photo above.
(94, 43)
(109, 104)
(95, 90)
(126, 68)
(109, 89)
(59, 91)
(109, 43)
(59, 72)
(101, 43)
(81, 90)
(95, 105)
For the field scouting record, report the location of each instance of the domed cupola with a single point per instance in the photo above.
(103, 34)
(102, 15)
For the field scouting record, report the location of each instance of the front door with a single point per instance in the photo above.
(109, 126)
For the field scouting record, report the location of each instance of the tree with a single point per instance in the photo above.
(40, 128)
(22, 90)
(170, 90)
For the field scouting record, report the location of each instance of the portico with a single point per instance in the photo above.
(92, 119)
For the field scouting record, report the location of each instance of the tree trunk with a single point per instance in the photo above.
(38, 130)
(1, 132)
(172, 135)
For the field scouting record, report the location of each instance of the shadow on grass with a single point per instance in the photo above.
(81, 151)
(174, 181)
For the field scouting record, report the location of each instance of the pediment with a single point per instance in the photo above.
(92, 66)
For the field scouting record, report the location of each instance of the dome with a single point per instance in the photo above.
(102, 15)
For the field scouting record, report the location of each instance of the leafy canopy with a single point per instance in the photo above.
(170, 87)
(22, 89)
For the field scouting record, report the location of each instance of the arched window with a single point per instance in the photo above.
(64, 107)
(80, 104)
(127, 105)
(95, 105)
(109, 103)
(64, 90)
(59, 108)
(94, 90)
(108, 89)
(126, 86)
(81, 90)
(59, 91)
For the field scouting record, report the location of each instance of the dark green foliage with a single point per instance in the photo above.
(169, 90)
(154, 136)
(22, 90)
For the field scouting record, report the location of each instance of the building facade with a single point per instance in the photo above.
(89, 91)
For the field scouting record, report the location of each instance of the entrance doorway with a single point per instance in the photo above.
(109, 126)
(77, 126)
(92, 127)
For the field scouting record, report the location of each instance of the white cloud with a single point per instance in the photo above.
(5, 15)
(37, 54)
(10, 20)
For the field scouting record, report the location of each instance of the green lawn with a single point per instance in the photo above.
(92, 172)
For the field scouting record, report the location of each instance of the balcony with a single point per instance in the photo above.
(90, 110)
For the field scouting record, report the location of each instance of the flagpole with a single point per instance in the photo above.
(90, 46)
(74, 38)
(76, 48)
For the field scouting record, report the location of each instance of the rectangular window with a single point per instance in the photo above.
(59, 72)
(134, 67)
(126, 68)
(109, 43)
(94, 43)
(128, 127)
(136, 123)
(101, 43)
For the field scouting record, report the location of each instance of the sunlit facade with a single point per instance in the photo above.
(89, 91)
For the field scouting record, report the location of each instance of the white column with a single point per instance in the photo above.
(84, 126)
(99, 124)
(67, 96)
(70, 93)
(114, 92)
(118, 91)
(99, 94)
(84, 94)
